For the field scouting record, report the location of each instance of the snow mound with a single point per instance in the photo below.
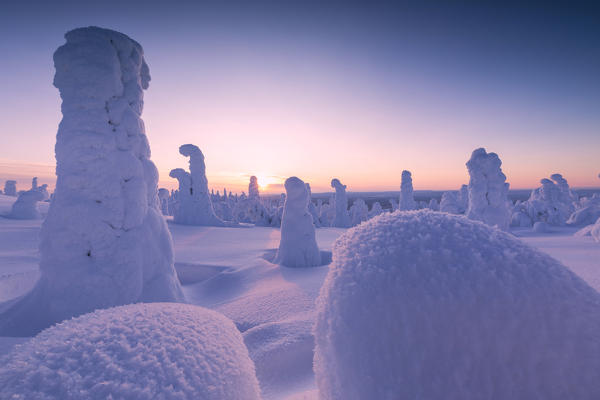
(435, 306)
(158, 350)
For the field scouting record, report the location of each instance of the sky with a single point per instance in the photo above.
(357, 91)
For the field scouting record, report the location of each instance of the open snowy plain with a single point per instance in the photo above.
(228, 270)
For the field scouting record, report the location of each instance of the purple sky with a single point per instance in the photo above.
(354, 92)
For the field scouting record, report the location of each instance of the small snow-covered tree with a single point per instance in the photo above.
(552, 202)
(342, 218)
(298, 245)
(195, 206)
(449, 203)
(10, 188)
(104, 242)
(407, 200)
(253, 192)
(488, 190)
(26, 205)
(376, 209)
(359, 212)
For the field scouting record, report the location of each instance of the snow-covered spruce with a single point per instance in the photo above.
(552, 202)
(298, 246)
(140, 351)
(26, 205)
(359, 212)
(104, 242)
(253, 192)
(312, 209)
(10, 188)
(488, 190)
(342, 218)
(407, 200)
(449, 203)
(435, 306)
(195, 206)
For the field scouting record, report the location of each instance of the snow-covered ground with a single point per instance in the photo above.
(228, 270)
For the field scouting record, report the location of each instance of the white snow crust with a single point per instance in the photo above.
(434, 306)
(140, 351)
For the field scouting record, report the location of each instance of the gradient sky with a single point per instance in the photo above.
(358, 92)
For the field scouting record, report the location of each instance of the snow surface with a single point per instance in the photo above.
(104, 241)
(430, 305)
(227, 270)
(298, 246)
(140, 351)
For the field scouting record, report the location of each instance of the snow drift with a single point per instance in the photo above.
(140, 351)
(104, 242)
(435, 306)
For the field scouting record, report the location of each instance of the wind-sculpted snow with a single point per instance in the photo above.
(407, 200)
(488, 190)
(104, 241)
(298, 246)
(342, 218)
(141, 351)
(194, 206)
(26, 205)
(434, 306)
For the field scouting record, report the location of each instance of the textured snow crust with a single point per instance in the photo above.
(139, 351)
(429, 305)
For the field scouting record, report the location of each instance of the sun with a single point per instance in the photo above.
(265, 180)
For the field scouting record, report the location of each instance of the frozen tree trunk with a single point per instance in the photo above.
(298, 246)
(195, 206)
(104, 242)
(253, 192)
(488, 190)
(407, 200)
(342, 218)
(10, 188)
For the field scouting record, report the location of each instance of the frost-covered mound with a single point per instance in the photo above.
(104, 241)
(141, 351)
(435, 306)
(26, 205)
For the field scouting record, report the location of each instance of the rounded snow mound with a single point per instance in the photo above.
(140, 351)
(433, 306)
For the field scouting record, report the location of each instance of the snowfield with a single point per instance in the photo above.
(228, 270)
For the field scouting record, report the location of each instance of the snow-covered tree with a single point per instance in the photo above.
(253, 192)
(194, 203)
(298, 245)
(104, 242)
(359, 212)
(488, 190)
(449, 203)
(10, 188)
(26, 205)
(342, 218)
(407, 200)
(163, 198)
(552, 202)
(376, 209)
(312, 209)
